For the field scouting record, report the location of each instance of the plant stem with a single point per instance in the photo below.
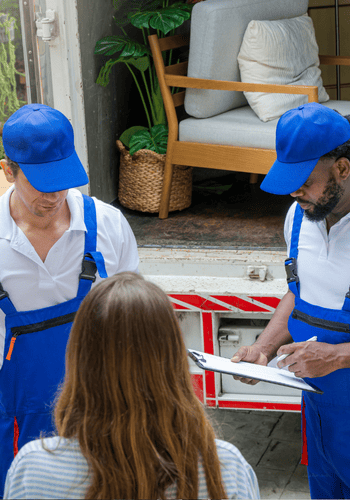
(144, 36)
(149, 97)
(141, 95)
(149, 62)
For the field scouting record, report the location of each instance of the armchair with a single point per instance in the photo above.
(233, 138)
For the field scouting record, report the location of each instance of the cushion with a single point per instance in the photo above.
(217, 29)
(281, 52)
(239, 127)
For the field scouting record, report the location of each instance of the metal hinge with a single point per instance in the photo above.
(257, 272)
(47, 26)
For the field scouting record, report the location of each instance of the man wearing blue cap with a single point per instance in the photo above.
(54, 244)
(313, 166)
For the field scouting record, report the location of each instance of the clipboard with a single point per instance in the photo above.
(250, 370)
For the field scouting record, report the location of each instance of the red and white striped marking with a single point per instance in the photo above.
(220, 303)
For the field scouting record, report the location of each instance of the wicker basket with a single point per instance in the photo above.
(141, 180)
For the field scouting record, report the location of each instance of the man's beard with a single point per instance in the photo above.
(328, 201)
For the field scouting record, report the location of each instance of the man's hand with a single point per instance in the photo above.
(250, 354)
(310, 359)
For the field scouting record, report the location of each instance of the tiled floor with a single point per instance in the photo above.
(271, 443)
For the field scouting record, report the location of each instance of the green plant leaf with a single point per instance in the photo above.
(140, 140)
(142, 63)
(140, 19)
(163, 20)
(155, 140)
(168, 19)
(110, 45)
(103, 76)
(128, 133)
(159, 134)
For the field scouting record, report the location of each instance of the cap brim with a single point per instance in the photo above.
(285, 178)
(56, 175)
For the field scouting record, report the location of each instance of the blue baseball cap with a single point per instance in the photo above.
(41, 140)
(303, 135)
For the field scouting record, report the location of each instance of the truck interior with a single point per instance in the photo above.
(226, 212)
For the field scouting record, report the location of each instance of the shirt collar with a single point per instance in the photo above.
(76, 211)
(6, 227)
(76, 208)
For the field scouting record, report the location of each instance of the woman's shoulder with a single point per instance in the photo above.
(52, 446)
(238, 476)
(45, 466)
(229, 455)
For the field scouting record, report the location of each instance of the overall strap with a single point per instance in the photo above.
(291, 262)
(92, 261)
(6, 304)
(346, 305)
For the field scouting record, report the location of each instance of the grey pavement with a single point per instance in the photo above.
(271, 444)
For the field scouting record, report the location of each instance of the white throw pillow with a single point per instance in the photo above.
(282, 52)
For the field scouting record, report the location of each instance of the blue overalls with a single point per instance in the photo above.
(325, 417)
(34, 356)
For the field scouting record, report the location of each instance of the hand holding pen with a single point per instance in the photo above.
(311, 359)
(284, 356)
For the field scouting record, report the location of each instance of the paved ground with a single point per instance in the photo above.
(271, 443)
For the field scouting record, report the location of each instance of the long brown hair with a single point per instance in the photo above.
(128, 397)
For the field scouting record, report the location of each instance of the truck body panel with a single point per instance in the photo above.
(223, 300)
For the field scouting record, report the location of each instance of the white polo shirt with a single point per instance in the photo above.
(34, 284)
(323, 260)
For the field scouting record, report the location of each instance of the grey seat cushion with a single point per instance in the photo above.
(239, 127)
(217, 29)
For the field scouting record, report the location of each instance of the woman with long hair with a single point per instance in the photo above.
(129, 423)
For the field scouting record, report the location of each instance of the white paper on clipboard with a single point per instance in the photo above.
(250, 370)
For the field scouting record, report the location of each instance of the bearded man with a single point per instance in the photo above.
(313, 166)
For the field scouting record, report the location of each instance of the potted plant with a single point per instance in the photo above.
(162, 17)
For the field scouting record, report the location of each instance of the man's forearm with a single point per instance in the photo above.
(276, 333)
(343, 355)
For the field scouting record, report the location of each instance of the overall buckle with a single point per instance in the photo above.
(88, 270)
(3, 294)
(291, 270)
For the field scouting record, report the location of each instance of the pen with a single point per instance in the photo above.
(284, 356)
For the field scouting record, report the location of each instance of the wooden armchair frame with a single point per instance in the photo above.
(233, 158)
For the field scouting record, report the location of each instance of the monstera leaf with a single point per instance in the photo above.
(127, 134)
(142, 63)
(110, 45)
(155, 139)
(164, 20)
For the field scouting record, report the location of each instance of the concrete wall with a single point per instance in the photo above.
(107, 110)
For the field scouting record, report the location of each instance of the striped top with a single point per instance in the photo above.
(64, 472)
